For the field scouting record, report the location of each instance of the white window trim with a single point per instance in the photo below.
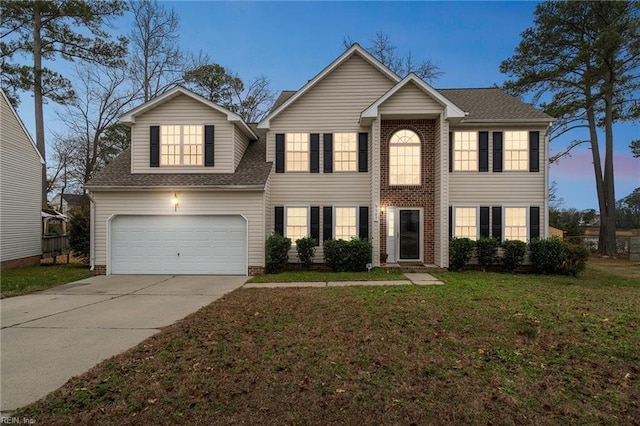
(453, 218)
(454, 151)
(526, 220)
(181, 155)
(504, 151)
(286, 216)
(333, 166)
(286, 152)
(420, 148)
(333, 219)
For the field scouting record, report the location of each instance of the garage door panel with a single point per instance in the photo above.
(178, 245)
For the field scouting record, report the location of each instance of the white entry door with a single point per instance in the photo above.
(196, 245)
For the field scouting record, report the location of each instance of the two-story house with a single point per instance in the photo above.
(356, 152)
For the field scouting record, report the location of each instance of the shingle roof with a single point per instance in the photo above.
(492, 104)
(252, 171)
(489, 103)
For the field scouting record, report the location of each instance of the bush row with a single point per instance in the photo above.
(548, 256)
(340, 255)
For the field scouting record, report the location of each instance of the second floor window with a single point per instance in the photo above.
(345, 152)
(465, 151)
(297, 152)
(516, 150)
(181, 145)
(404, 158)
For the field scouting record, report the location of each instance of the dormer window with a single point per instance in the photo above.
(181, 145)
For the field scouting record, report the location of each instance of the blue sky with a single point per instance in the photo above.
(290, 42)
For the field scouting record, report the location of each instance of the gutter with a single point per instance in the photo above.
(181, 188)
(507, 120)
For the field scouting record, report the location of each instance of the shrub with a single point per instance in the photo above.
(460, 252)
(487, 251)
(277, 248)
(352, 255)
(513, 252)
(80, 233)
(547, 255)
(306, 248)
(575, 259)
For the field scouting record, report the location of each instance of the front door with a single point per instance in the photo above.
(409, 234)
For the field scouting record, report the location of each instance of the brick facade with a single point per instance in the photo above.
(255, 270)
(418, 196)
(100, 270)
(19, 263)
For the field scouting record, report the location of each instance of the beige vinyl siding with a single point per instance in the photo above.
(334, 104)
(248, 203)
(240, 144)
(410, 100)
(21, 189)
(507, 188)
(182, 110)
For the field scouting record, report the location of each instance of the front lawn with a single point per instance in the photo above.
(16, 282)
(376, 274)
(483, 349)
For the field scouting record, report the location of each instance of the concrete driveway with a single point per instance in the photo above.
(51, 336)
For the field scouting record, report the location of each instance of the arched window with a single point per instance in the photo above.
(404, 158)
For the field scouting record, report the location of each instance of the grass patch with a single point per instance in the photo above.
(376, 274)
(19, 281)
(486, 348)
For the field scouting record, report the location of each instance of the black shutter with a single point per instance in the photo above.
(496, 223)
(279, 152)
(534, 222)
(364, 222)
(450, 158)
(315, 153)
(484, 221)
(327, 223)
(450, 222)
(279, 220)
(534, 151)
(328, 152)
(363, 149)
(315, 224)
(497, 151)
(484, 151)
(154, 146)
(209, 136)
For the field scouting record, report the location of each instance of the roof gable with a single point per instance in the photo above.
(355, 49)
(5, 99)
(451, 110)
(130, 116)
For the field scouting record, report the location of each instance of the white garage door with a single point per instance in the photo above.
(178, 245)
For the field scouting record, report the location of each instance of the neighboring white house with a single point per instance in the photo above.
(20, 192)
(356, 152)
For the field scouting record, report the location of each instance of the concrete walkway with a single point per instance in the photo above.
(51, 336)
(412, 279)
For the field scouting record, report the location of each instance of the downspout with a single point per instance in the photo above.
(92, 239)
(545, 233)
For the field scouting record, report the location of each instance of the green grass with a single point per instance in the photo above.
(19, 281)
(376, 274)
(486, 348)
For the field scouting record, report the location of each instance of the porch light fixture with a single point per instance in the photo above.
(174, 201)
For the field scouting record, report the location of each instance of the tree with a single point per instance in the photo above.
(226, 88)
(635, 148)
(156, 60)
(585, 58)
(47, 30)
(94, 137)
(386, 52)
(628, 216)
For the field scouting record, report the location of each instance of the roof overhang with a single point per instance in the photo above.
(510, 121)
(451, 111)
(129, 117)
(169, 188)
(355, 49)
